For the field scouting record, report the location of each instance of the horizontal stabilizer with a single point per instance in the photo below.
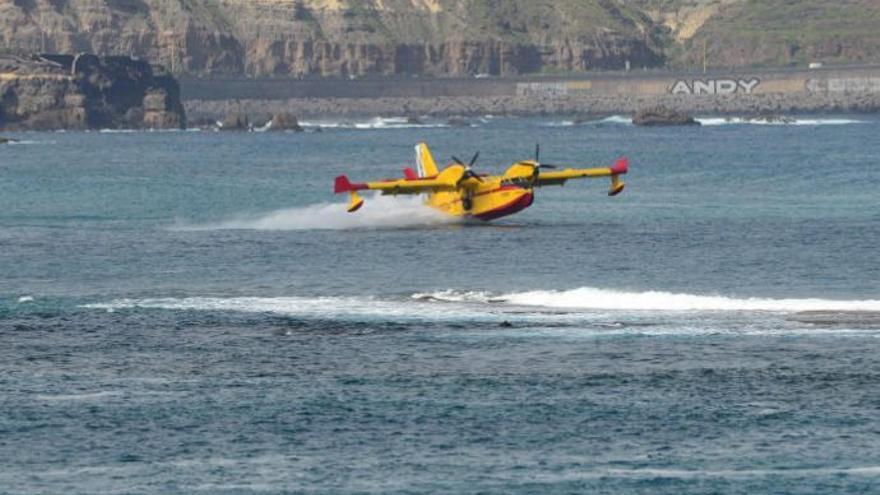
(342, 185)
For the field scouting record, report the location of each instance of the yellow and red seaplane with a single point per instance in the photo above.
(459, 191)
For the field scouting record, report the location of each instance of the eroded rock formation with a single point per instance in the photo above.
(85, 91)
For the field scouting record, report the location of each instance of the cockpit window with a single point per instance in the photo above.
(523, 182)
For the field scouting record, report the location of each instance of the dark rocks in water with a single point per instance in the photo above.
(457, 121)
(505, 324)
(662, 116)
(47, 92)
(284, 122)
(414, 120)
(235, 122)
(4, 140)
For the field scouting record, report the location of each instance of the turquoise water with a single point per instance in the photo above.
(195, 312)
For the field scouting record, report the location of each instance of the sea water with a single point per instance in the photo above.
(195, 312)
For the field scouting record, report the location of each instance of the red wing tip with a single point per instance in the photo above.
(620, 167)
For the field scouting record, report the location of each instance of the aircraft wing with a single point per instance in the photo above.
(559, 177)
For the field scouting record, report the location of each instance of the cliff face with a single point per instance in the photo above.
(340, 37)
(82, 92)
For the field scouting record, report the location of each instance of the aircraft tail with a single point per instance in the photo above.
(425, 162)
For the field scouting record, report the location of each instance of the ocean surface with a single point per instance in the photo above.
(195, 312)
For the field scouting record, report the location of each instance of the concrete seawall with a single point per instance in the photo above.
(842, 89)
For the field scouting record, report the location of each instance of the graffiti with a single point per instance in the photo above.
(541, 89)
(714, 86)
(844, 85)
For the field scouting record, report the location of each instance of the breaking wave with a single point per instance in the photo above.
(580, 312)
(715, 121)
(613, 119)
(374, 123)
(589, 298)
(435, 305)
(318, 307)
(378, 212)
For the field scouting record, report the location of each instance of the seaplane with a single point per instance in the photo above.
(460, 192)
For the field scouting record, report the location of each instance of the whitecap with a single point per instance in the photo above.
(717, 121)
(595, 298)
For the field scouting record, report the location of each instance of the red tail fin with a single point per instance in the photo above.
(342, 185)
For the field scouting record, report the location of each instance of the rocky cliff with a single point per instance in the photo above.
(340, 37)
(86, 91)
(303, 38)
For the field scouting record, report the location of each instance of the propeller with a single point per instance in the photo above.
(538, 165)
(468, 172)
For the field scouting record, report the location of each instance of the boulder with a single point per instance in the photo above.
(235, 122)
(660, 115)
(284, 122)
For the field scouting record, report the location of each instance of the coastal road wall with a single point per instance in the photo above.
(824, 81)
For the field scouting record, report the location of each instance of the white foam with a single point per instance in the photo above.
(374, 123)
(613, 119)
(25, 299)
(594, 298)
(378, 212)
(715, 121)
(324, 307)
(451, 295)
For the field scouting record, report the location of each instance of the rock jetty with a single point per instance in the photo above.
(48, 92)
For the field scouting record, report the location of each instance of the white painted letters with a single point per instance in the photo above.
(701, 87)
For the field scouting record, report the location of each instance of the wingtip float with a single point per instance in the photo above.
(458, 191)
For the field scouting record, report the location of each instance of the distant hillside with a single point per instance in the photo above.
(779, 32)
(742, 33)
(301, 38)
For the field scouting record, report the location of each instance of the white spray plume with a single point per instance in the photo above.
(378, 212)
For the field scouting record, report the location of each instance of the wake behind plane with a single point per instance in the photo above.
(460, 192)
